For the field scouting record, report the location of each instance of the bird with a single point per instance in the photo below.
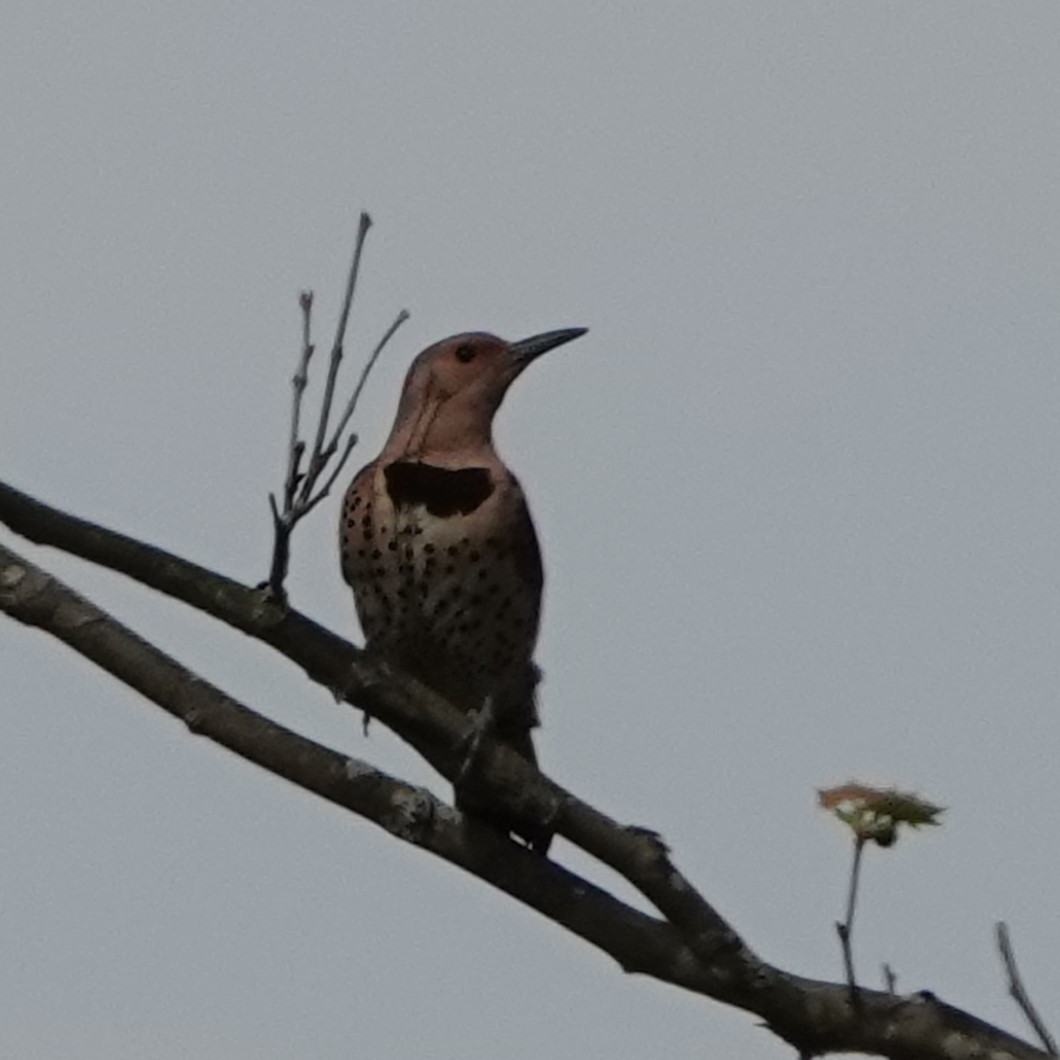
(439, 547)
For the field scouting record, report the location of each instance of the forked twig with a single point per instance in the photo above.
(351, 441)
(1018, 992)
(300, 492)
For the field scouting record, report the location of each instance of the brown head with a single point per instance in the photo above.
(454, 388)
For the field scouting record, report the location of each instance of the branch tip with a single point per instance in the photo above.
(1018, 992)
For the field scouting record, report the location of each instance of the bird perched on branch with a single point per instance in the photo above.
(439, 547)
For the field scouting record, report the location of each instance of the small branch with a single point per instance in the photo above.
(1018, 992)
(365, 372)
(299, 381)
(299, 498)
(326, 488)
(351, 441)
(284, 522)
(316, 458)
(845, 929)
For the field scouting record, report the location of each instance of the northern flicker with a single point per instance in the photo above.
(439, 547)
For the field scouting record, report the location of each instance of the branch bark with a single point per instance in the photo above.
(691, 946)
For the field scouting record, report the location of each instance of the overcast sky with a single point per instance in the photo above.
(796, 492)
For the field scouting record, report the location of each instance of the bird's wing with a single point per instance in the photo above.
(525, 550)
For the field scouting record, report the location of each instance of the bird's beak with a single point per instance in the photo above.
(527, 349)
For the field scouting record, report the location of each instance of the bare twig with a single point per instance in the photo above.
(282, 523)
(336, 471)
(351, 441)
(316, 457)
(299, 498)
(1018, 992)
(845, 928)
(299, 381)
(365, 372)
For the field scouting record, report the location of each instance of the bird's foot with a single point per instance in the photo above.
(274, 594)
(339, 695)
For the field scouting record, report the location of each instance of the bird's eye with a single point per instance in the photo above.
(465, 354)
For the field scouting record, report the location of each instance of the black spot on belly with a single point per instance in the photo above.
(443, 492)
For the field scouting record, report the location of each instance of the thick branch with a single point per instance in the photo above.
(637, 941)
(433, 726)
(700, 951)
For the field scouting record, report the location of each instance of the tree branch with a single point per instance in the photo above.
(1018, 992)
(417, 714)
(845, 929)
(697, 949)
(297, 497)
(316, 456)
(637, 941)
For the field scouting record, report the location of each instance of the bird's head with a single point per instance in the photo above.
(454, 388)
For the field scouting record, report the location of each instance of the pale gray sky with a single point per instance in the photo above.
(796, 492)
